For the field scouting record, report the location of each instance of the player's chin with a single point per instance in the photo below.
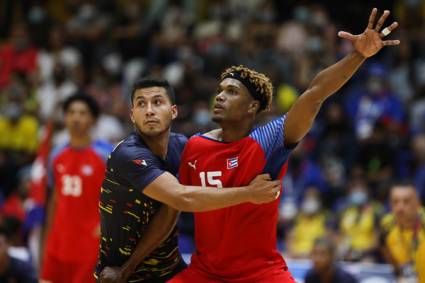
(153, 131)
(217, 118)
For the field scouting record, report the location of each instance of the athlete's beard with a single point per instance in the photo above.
(217, 120)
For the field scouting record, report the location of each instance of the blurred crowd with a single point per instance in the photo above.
(369, 134)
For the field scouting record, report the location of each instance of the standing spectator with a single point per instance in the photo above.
(76, 172)
(403, 234)
(324, 268)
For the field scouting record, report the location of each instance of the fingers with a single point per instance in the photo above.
(346, 35)
(372, 18)
(386, 31)
(382, 20)
(265, 177)
(390, 42)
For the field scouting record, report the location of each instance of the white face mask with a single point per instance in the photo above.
(310, 206)
(358, 197)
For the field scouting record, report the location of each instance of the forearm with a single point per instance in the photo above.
(331, 79)
(158, 231)
(301, 116)
(199, 199)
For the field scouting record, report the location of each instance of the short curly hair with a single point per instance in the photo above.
(261, 82)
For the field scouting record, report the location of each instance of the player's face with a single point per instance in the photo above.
(152, 111)
(233, 103)
(404, 203)
(321, 257)
(78, 119)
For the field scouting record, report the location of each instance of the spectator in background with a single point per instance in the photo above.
(325, 270)
(310, 224)
(18, 56)
(13, 270)
(375, 103)
(358, 224)
(303, 171)
(76, 171)
(418, 145)
(403, 234)
(376, 158)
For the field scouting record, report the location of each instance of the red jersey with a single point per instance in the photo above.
(76, 176)
(236, 243)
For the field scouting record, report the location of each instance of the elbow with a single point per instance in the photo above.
(184, 201)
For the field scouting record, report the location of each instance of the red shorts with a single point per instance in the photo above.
(59, 271)
(192, 275)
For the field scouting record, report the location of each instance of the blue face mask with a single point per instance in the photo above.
(358, 198)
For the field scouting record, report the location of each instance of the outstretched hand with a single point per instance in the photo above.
(371, 40)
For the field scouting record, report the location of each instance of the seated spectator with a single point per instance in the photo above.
(403, 234)
(13, 269)
(357, 224)
(18, 131)
(310, 224)
(325, 270)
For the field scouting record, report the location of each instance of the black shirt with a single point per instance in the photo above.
(125, 212)
(339, 276)
(19, 271)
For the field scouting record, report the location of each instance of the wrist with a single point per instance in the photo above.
(359, 55)
(127, 269)
(248, 195)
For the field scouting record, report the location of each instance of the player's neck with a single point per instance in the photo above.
(234, 132)
(80, 141)
(158, 144)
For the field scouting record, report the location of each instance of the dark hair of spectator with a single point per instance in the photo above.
(324, 242)
(88, 100)
(152, 82)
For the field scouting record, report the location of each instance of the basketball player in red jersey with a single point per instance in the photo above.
(238, 244)
(75, 172)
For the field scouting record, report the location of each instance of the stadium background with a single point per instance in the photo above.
(370, 133)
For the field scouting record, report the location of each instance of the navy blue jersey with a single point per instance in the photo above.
(126, 212)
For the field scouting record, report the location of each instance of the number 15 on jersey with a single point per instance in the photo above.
(211, 179)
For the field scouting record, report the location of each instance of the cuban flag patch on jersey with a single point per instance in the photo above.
(232, 162)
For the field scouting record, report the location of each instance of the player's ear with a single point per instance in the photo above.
(174, 112)
(132, 116)
(253, 107)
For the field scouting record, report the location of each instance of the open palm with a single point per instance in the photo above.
(371, 40)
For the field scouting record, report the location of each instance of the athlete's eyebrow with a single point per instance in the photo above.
(229, 85)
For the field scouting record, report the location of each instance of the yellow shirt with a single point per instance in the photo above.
(358, 227)
(306, 231)
(19, 136)
(401, 245)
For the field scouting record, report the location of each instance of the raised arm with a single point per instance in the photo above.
(168, 190)
(300, 117)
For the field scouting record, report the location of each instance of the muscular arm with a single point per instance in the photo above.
(159, 230)
(168, 190)
(301, 116)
